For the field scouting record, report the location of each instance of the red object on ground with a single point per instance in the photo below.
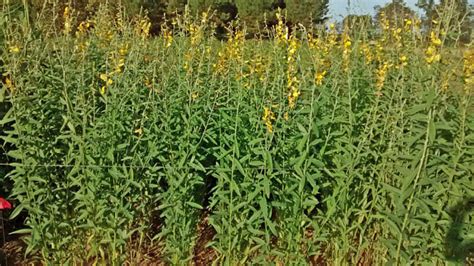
(4, 204)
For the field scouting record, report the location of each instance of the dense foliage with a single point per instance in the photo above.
(254, 14)
(314, 145)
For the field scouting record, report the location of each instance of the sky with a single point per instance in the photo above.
(338, 8)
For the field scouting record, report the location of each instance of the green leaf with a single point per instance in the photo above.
(194, 205)
(394, 227)
(15, 154)
(24, 231)
(110, 155)
(417, 108)
(432, 131)
(16, 211)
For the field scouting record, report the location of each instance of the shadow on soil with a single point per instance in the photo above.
(456, 248)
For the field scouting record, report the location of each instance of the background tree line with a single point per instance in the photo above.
(256, 14)
(455, 17)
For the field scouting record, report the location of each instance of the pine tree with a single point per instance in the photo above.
(253, 14)
(307, 12)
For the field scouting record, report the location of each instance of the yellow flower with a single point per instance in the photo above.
(408, 25)
(108, 81)
(384, 22)
(168, 38)
(381, 75)
(347, 44)
(468, 69)
(403, 60)
(67, 20)
(143, 27)
(432, 55)
(9, 84)
(293, 97)
(312, 41)
(83, 27)
(147, 83)
(367, 51)
(268, 118)
(15, 49)
(103, 77)
(281, 30)
(292, 47)
(434, 39)
(138, 131)
(167, 35)
(319, 77)
(295, 93)
(119, 66)
(292, 80)
(204, 16)
(123, 50)
(437, 58)
(346, 39)
(430, 50)
(66, 11)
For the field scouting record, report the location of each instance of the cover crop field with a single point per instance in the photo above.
(325, 145)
